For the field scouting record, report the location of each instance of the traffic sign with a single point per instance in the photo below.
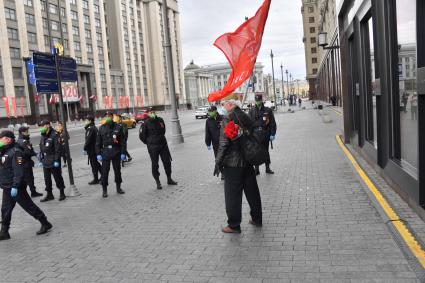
(67, 63)
(47, 86)
(30, 69)
(43, 73)
(68, 76)
(43, 59)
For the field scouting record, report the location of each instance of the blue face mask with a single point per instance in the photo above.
(222, 111)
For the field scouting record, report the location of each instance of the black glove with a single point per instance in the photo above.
(217, 170)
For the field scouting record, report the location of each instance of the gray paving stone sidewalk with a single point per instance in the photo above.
(319, 223)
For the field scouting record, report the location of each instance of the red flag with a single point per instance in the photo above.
(14, 106)
(6, 105)
(241, 49)
(22, 105)
(93, 97)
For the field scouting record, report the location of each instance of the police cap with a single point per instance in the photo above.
(44, 123)
(23, 129)
(7, 134)
(258, 97)
(212, 108)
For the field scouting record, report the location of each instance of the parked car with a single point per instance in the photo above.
(270, 104)
(130, 122)
(201, 113)
(141, 115)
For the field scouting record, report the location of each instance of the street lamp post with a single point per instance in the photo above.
(176, 129)
(274, 85)
(283, 85)
(287, 84)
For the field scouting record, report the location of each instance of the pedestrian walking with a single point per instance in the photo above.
(212, 129)
(24, 143)
(50, 157)
(300, 101)
(239, 175)
(12, 182)
(264, 128)
(90, 148)
(110, 148)
(153, 135)
(62, 136)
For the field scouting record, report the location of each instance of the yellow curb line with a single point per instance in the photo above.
(336, 111)
(404, 232)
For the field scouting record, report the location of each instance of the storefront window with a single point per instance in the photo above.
(406, 34)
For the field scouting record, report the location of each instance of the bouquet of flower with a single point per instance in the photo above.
(232, 130)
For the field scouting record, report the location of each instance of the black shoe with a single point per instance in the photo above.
(171, 182)
(35, 194)
(120, 191)
(257, 172)
(94, 182)
(256, 223)
(48, 197)
(269, 171)
(4, 233)
(129, 159)
(105, 193)
(158, 185)
(62, 195)
(45, 227)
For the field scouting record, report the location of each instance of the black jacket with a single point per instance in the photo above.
(11, 167)
(90, 141)
(264, 123)
(152, 133)
(62, 136)
(27, 151)
(230, 151)
(212, 131)
(110, 141)
(50, 149)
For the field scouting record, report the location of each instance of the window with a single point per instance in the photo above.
(63, 12)
(19, 91)
(65, 43)
(43, 5)
(56, 40)
(32, 37)
(96, 8)
(312, 30)
(28, 3)
(54, 25)
(15, 53)
(77, 46)
(97, 22)
(45, 23)
(408, 97)
(89, 48)
(311, 20)
(90, 61)
(78, 59)
(73, 2)
(17, 72)
(75, 31)
(314, 60)
(53, 8)
(46, 40)
(314, 71)
(100, 50)
(313, 50)
(12, 34)
(85, 4)
(101, 64)
(311, 9)
(312, 40)
(74, 15)
(64, 28)
(98, 36)
(88, 33)
(10, 14)
(86, 19)
(30, 20)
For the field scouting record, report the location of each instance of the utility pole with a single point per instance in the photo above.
(274, 85)
(176, 129)
(287, 83)
(283, 84)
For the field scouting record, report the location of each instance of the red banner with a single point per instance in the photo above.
(6, 106)
(22, 105)
(241, 49)
(14, 106)
(110, 101)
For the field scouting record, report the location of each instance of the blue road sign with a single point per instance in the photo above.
(30, 69)
(43, 59)
(67, 63)
(42, 73)
(68, 76)
(47, 86)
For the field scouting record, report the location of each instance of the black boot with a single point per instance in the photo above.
(49, 196)
(268, 170)
(45, 226)
(257, 170)
(94, 182)
(4, 233)
(35, 194)
(105, 192)
(119, 190)
(170, 181)
(158, 184)
(62, 195)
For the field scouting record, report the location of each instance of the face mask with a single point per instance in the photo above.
(43, 131)
(212, 114)
(2, 145)
(258, 103)
(222, 111)
(88, 122)
(152, 115)
(108, 120)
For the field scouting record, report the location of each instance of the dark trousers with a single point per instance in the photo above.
(106, 166)
(95, 166)
(57, 175)
(24, 200)
(238, 181)
(127, 154)
(165, 158)
(63, 155)
(29, 178)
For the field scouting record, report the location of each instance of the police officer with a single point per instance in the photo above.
(118, 120)
(264, 127)
(110, 147)
(50, 157)
(28, 152)
(212, 129)
(12, 182)
(152, 133)
(90, 148)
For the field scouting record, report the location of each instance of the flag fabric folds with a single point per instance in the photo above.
(241, 50)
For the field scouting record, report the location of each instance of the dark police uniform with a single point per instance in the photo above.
(50, 150)
(27, 153)
(152, 133)
(264, 127)
(61, 137)
(212, 132)
(110, 144)
(90, 148)
(12, 164)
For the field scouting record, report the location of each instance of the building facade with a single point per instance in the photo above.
(310, 14)
(118, 45)
(382, 45)
(199, 84)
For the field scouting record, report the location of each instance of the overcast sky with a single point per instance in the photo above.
(202, 21)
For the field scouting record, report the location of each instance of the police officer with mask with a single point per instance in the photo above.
(27, 152)
(264, 127)
(50, 157)
(212, 129)
(152, 133)
(90, 148)
(12, 182)
(110, 148)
